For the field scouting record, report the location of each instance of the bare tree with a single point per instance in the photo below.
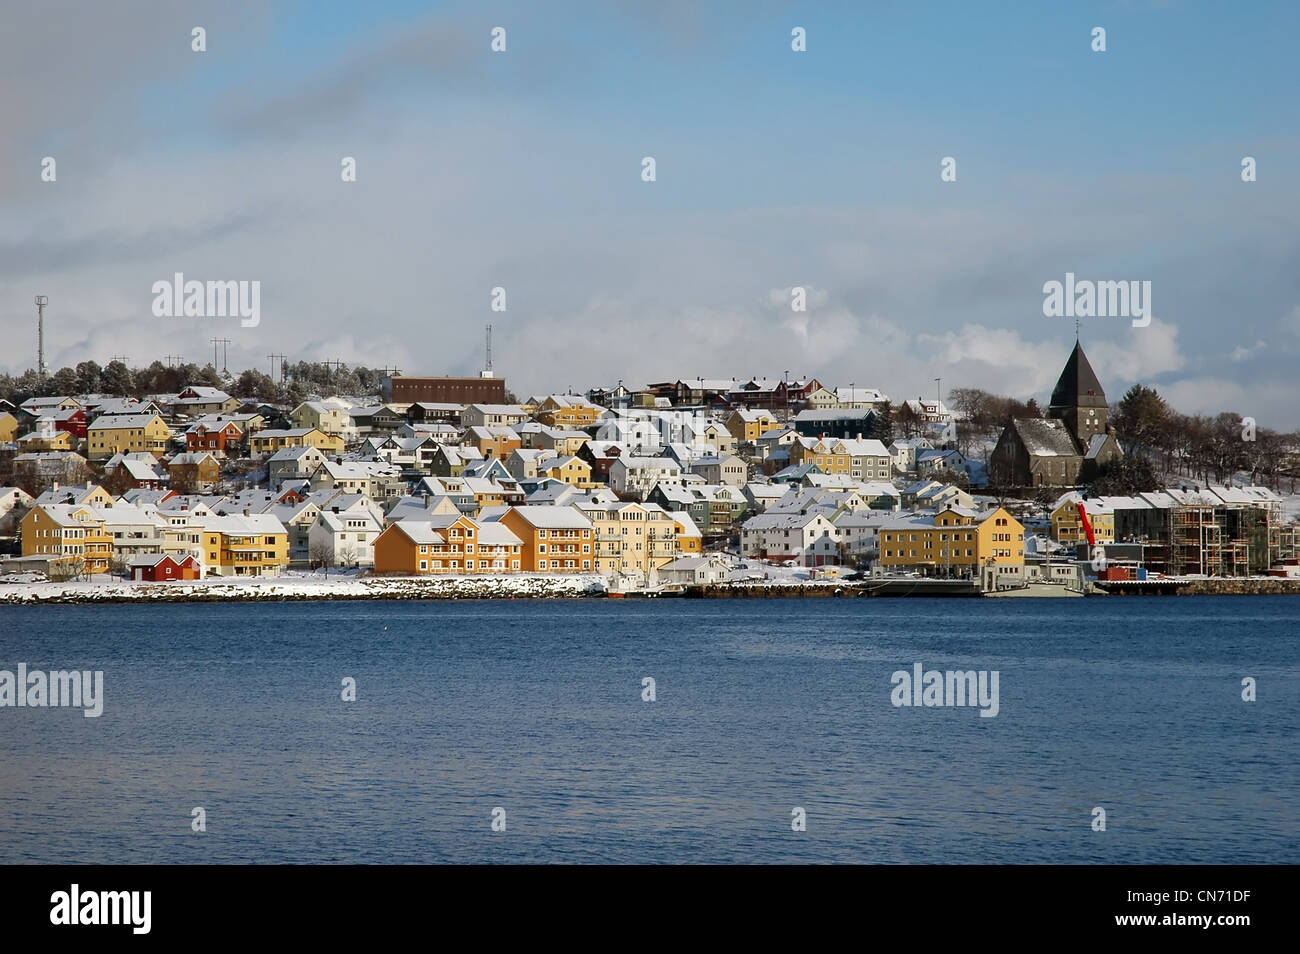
(72, 568)
(320, 553)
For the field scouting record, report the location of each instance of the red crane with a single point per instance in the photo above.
(1087, 527)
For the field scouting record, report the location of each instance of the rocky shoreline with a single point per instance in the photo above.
(280, 590)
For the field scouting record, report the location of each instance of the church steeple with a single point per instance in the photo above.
(1078, 398)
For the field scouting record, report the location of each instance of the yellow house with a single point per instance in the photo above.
(326, 416)
(567, 411)
(953, 542)
(129, 433)
(267, 442)
(570, 470)
(565, 443)
(631, 539)
(1068, 528)
(747, 426)
(690, 542)
(83, 495)
(68, 533)
(8, 427)
(46, 440)
(244, 545)
(830, 455)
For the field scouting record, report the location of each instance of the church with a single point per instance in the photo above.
(1066, 447)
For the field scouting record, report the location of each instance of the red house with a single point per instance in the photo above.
(212, 437)
(72, 420)
(161, 567)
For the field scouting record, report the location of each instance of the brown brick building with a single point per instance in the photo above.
(405, 390)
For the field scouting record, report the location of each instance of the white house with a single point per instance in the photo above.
(783, 536)
(492, 415)
(639, 475)
(694, 570)
(903, 450)
(345, 538)
(930, 462)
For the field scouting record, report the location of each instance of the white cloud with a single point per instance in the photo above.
(1142, 354)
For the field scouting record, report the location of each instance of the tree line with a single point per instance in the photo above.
(300, 381)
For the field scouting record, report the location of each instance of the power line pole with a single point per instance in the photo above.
(223, 342)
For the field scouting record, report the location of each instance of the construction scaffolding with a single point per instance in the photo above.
(1195, 542)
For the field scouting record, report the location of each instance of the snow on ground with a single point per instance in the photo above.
(755, 571)
(302, 586)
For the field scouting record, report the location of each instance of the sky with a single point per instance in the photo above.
(775, 169)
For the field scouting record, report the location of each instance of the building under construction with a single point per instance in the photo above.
(1218, 531)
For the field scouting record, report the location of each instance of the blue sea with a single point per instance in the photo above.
(761, 707)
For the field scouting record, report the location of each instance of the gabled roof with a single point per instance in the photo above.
(338, 521)
(117, 421)
(419, 531)
(1045, 437)
(1095, 444)
(553, 518)
(782, 521)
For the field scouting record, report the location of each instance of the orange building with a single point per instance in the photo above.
(493, 440)
(555, 539)
(446, 543)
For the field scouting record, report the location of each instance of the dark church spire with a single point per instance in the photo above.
(1078, 385)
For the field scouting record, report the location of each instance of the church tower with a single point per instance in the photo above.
(1078, 399)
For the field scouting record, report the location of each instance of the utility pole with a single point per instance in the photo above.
(224, 342)
(41, 369)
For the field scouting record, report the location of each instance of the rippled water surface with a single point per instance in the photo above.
(1132, 704)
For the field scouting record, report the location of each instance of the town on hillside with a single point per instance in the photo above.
(180, 474)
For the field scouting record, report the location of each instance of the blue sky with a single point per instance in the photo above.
(775, 169)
